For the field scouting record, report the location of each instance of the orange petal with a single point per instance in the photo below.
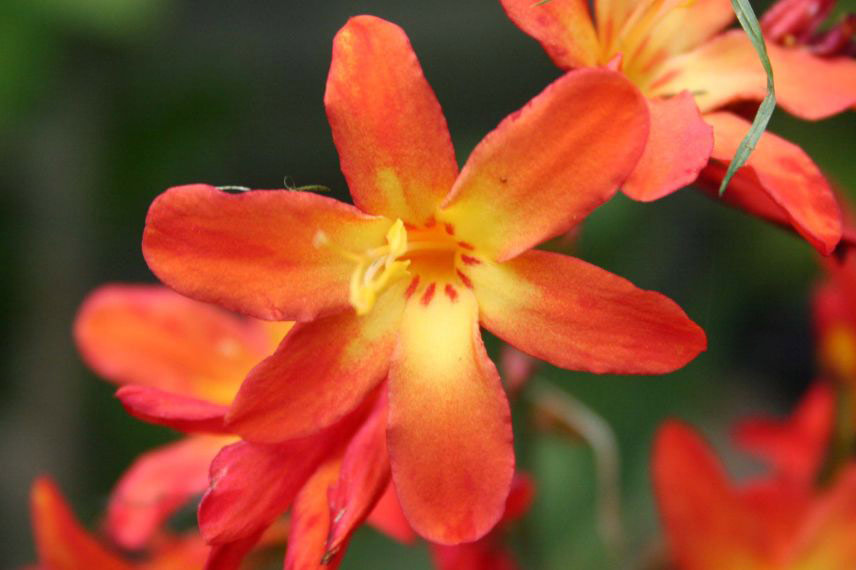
(181, 553)
(151, 336)
(679, 145)
(450, 441)
(321, 371)
(782, 171)
(392, 138)
(563, 27)
(61, 542)
(580, 317)
(156, 485)
(707, 527)
(230, 555)
(252, 485)
(516, 191)
(363, 478)
(827, 540)
(794, 447)
(254, 252)
(388, 517)
(171, 410)
(727, 69)
(310, 523)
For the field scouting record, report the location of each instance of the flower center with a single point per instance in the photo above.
(425, 251)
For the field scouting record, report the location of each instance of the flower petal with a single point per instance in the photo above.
(707, 527)
(156, 485)
(580, 317)
(679, 146)
(310, 522)
(827, 540)
(388, 518)
(172, 410)
(782, 171)
(363, 478)
(230, 555)
(391, 134)
(794, 447)
(563, 27)
(151, 336)
(727, 69)
(321, 371)
(450, 441)
(254, 252)
(516, 191)
(61, 542)
(251, 485)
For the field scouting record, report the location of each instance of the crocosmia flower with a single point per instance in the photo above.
(63, 544)
(180, 363)
(678, 55)
(712, 523)
(390, 292)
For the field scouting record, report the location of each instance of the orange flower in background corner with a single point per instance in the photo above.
(396, 287)
(677, 53)
(181, 363)
(62, 544)
(770, 524)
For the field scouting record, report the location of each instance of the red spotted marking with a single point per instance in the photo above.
(465, 280)
(469, 260)
(428, 294)
(466, 245)
(430, 223)
(451, 293)
(411, 289)
(450, 229)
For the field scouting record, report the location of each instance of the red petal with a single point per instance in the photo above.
(580, 317)
(364, 477)
(827, 539)
(707, 526)
(252, 484)
(171, 410)
(388, 517)
(392, 138)
(255, 252)
(784, 173)
(230, 555)
(151, 336)
(321, 371)
(795, 447)
(450, 441)
(516, 191)
(61, 542)
(310, 523)
(156, 484)
(565, 29)
(679, 146)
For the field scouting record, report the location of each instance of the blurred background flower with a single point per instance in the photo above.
(105, 103)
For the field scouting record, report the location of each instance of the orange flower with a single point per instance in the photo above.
(396, 287)
(62, 544)
(772, 524)
(677, 53)
(181, 362)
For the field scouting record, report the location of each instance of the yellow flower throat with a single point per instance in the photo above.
(430, 252)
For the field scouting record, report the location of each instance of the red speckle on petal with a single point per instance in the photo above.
(466, 245)
(450, 229)
(411, 289)
(469, 260)
(465, 280)
(451, 293)
(428, 294)
(430, 223)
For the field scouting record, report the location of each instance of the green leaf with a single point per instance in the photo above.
(749, 22)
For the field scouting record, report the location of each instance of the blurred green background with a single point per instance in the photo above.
(105, 103)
